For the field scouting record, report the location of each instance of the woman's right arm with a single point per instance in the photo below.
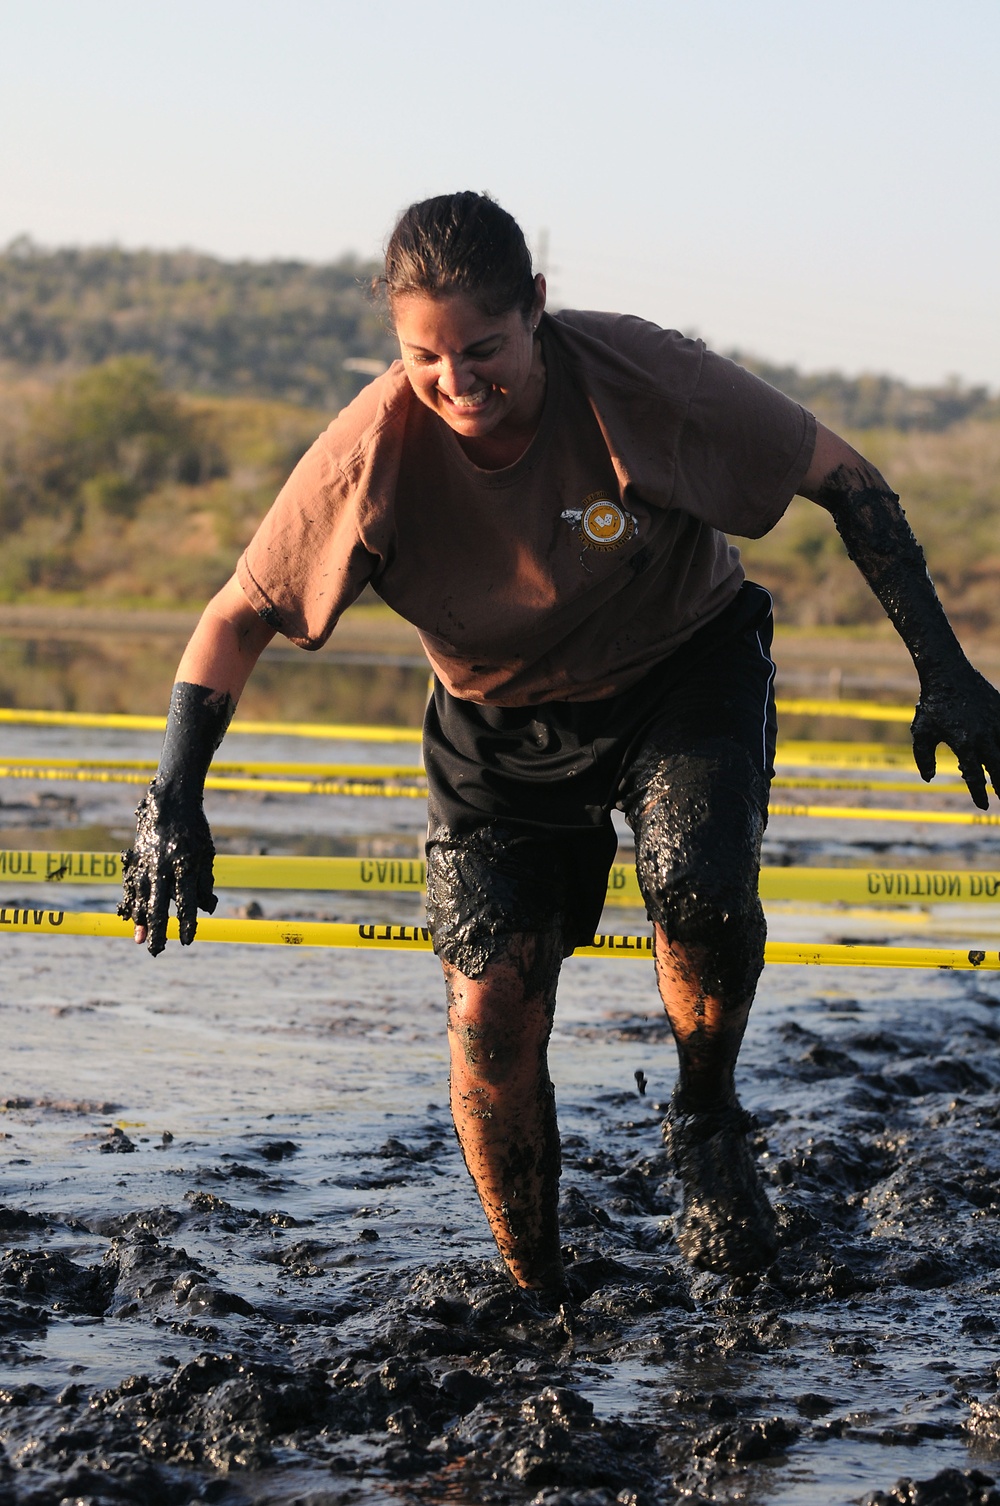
(173, 852)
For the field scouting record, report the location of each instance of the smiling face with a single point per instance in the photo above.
(482, 374)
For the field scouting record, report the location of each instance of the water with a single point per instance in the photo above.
(292, 1261)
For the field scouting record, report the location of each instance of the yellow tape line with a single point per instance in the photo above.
(857, 710)
(789, 755)
(838, 755)
(408, 875)
(393, 789)
(867, 711)
(382, 936)
(250, 768)
(877, 813)
(129, 723)
(382, 786)
(913, 786)
(385, 779)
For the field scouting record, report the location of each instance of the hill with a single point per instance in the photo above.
(153, 404)
(284, 329)
(279, 329)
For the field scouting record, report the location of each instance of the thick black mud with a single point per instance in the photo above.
(244, 1264)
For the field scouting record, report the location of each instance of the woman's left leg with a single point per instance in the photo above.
(699, 818)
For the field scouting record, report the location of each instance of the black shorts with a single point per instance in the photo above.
(520, 837)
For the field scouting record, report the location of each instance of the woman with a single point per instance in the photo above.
(546, 499)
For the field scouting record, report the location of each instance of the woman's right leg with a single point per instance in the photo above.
(503, 1102)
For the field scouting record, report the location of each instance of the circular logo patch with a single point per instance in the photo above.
(605, 524)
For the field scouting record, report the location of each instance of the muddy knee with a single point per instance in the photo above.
(490, 1051)
(698, 831)
(717, 948)
(495, 1032)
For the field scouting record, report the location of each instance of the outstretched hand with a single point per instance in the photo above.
(964, 713)
(171, 859)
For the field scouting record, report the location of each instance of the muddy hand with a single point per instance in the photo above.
(171, 859)
(963, 711)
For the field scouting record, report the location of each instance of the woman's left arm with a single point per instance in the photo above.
(957, 705)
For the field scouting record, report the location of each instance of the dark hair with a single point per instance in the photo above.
(460, 243)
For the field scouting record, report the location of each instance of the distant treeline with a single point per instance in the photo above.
(277, 329)
(876, 402)
(284, 329)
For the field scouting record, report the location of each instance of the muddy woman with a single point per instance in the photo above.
(547, 498)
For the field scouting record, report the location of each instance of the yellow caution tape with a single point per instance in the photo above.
(879, 786)
(129, 723)
(868, 711)
(896, 886)
(877, 813)
(250, 768)
(381, 936)
(856, 710)
(394, 788)
(382, 786)
(841, 755)
(373, 778)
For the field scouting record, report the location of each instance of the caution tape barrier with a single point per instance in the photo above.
(809, 753)
(409, 875)
(881, 813)
(390, 779)
(866, 711)
(383, 786)
(124, 721)
(790, 754)
(394, 789)
(249, 768)
(385, 936)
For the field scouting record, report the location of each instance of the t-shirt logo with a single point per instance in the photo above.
(602, 521)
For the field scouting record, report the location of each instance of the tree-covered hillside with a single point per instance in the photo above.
(280, 329)
(284, 329)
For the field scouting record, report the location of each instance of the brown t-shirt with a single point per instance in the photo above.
(569, 574)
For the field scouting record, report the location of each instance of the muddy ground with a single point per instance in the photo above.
(243, 1262)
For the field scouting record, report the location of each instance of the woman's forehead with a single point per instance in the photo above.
(451, 321)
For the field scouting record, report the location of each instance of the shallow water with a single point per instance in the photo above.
(245, 1263)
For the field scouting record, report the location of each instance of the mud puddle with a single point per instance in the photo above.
(244, 1264)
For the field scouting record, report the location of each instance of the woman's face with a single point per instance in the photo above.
(480, 373)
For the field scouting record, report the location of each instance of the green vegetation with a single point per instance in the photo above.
(949, 485)
(117, 485)
(113, 489)
(280, 329)
(875, 402)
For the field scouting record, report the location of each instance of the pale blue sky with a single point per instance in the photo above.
(812, 181)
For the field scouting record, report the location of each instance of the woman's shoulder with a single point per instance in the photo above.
(374, 419)
(629, 349)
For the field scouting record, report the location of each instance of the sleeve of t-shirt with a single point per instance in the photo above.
(306, 563)
(743, 451)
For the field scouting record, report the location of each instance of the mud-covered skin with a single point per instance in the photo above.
(957, 705)
(503, 1101)
(726, 1223)
(172, 856)
(699, 822)
(477, 899)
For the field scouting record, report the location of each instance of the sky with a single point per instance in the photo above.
(811, 182)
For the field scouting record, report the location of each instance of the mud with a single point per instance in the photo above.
(957, 705)
(726, 1223)
(244, 1263)
(170, 858)
(698, 840)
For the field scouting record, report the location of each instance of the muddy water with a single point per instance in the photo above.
(244, 1263)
